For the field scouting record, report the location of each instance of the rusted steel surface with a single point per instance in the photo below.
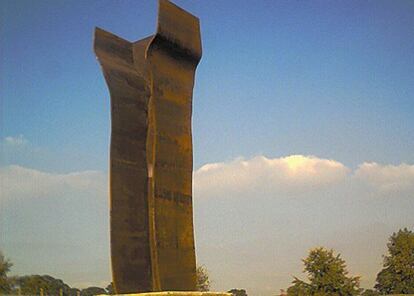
(151, 83)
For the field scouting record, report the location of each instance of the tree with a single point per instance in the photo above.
(91, 291)
(5, 281)
(238, 292)
(327, 275)
(397, 275)
(203, 281)
(73, 292)
(299, 288)
(31, 285)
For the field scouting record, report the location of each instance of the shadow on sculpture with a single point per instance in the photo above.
(151, 160)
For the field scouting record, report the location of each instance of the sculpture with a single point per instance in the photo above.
(151, 83)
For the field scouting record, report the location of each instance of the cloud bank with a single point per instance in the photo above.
(292, 175)
(296, 174)
(387, 178)
(18, 182)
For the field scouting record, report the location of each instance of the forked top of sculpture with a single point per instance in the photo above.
(176, 28)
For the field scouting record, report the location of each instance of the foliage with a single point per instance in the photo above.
(299, 288)
(369, 292)
(203, 281)
(327, 275)
(238, 292)
(93, 291)
(5, 281)
(397, 275)
(74, 292)
(31, 285)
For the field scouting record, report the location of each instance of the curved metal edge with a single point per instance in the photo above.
(178, 31)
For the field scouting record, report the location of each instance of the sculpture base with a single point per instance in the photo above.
(175, 293)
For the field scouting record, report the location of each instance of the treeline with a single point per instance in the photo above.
(45, 285)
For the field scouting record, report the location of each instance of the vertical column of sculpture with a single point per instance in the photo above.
(173, 55)
(150, 83)
(130, 94)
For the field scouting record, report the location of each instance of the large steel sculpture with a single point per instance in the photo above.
(151, 84)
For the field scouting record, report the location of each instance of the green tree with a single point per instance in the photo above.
(73, 292)
(238, 292)
(31, 285)
(5, 281)
(203, 281)
(91, 291)
(397, 275)
(299, 288)
(327, 275)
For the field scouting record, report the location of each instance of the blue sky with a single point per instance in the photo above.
(333, 80)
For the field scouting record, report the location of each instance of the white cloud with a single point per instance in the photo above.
(387, 178)
(15, 141)
(20, 182)
(291, 174)
(297, 174)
